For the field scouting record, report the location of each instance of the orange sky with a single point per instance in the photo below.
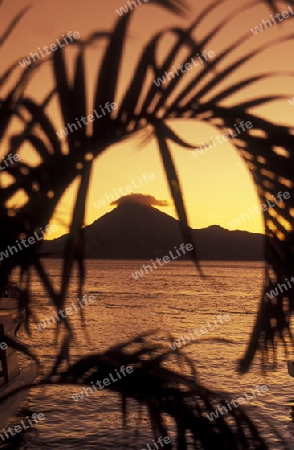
(216, 185)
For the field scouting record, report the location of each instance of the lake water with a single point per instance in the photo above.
(173, 299)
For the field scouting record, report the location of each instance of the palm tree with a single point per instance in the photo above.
(45, 184)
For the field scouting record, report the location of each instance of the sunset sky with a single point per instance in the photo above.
(217, 185)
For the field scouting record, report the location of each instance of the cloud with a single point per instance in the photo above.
(141, 199)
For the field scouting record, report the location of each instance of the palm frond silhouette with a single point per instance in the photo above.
(268, 155)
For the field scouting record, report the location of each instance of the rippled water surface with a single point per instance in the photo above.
(173, 299)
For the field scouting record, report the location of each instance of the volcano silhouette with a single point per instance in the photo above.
(135, 231)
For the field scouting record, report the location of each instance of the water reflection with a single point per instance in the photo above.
(290, 408)
(18, 440)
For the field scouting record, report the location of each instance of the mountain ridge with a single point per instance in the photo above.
(135, 231)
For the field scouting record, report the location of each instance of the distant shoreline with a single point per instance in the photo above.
(148, 259)
(140, 232)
